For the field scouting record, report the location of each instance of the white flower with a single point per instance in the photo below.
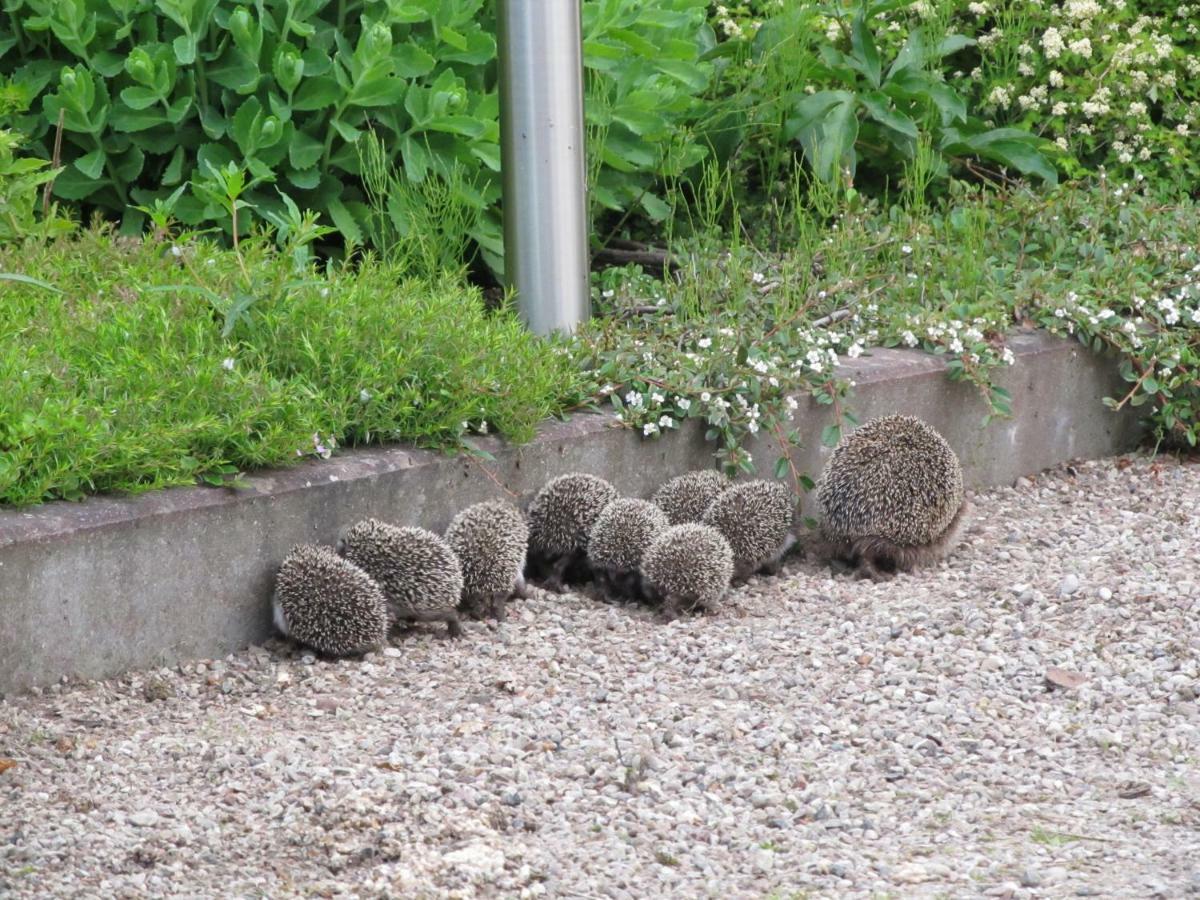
(705, 396)
(752, 427)
(909, 338)
(1083, 47)
(1055, 78)
(648, 429)
(176, 250)
(1181, 128)
(364, 395)
(227, 364)
(666, 422)
(704, 343)
(683, 403)
(793, 405)
(758, 277)
(483, 426)
(855, 350)
(607, 294)
(956, 346)
(634, 399)
(656, 397)
(906, 249)
(1052, 43)
(1007, 357)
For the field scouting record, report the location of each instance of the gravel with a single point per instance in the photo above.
(819, 736)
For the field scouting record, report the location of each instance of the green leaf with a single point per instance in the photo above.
(92, 165)
(831, 435)
(782, 466)
(25, 279)
(879, 108)
(411, 60)
(344, 221)
(304, 150)
(316, 93)
(866, 54)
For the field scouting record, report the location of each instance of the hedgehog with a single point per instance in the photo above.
(686, 497)
(687, 567)
(617, 542)
(490, 540)
(328, 603)
(560, 518)
(756, 517)
(891, 498)
(418, 572)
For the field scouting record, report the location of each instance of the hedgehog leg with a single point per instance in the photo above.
(877, 558)
(521, 589)
(449, 616)
(555, 580)
(498, 608)
(672, 607)
(774, 563)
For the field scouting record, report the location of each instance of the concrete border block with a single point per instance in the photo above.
(94, 588)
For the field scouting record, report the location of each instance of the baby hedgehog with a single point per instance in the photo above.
(560, 518)
(686, 497)
(756, 518)
(687, 567)
(328, 603)
(418, 572)
(891, 497)
(490, 540)
(618, 540)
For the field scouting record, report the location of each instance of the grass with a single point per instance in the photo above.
(116, 377)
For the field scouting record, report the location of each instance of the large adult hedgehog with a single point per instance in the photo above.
(686, 497)
(619, 539)
(560, 518)
(328, 603)
(891, 497)
(418, 572)
(756, 518)
(490, 540)
(687, 567)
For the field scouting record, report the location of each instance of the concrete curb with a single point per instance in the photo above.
(113, 583)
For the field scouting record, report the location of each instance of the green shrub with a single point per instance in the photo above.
(154, 94)
(115, 375)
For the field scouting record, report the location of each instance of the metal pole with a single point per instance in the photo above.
(542, 161)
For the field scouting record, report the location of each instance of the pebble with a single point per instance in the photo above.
(1069, 585)
(819, 734)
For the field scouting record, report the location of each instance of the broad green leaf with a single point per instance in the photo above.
(344, 221)
(92, 165)
(304, 150)
(865, 51)
(26, 279)
(316, 93)
(411, 61)
(879, 107)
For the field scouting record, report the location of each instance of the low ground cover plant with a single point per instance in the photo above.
(747, 328)
(116, 374)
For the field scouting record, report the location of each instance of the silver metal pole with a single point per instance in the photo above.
(542, 159)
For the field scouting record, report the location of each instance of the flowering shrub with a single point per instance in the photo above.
(1111, 84)
(1114, 85)
(1105, 264)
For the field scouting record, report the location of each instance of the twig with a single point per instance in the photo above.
(658, 260)
(1137, 384)
(630, 311)
(492, 475)
(836, 316)
(54, 161)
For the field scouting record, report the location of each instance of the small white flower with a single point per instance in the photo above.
(227, 364)
(364, 395)
(753, 427)
(607, 295)
(666, 422)
(792, 404)
(758, 277)
(705, 396)
(683, 403)
(909, 338)
(656, 397)
(854, 351)
(634, 399)
(483, 426)
(704, 343)
(1007, 357)
(648, 429)
(906, 249)
(324, 292)
(176, 251)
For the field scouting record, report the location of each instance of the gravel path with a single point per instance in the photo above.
(820, 737)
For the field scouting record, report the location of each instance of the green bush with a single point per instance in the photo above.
(115, 375)
(154, 94)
